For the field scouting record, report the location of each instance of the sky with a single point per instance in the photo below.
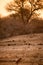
(4, 12)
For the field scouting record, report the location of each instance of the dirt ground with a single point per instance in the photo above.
(22, 50)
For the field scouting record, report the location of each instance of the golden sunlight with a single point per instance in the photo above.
(3, 11)
(40, 12)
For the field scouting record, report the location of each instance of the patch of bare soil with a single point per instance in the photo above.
(22, 50)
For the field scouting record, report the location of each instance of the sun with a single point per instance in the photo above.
(3, 11)
(40, 12)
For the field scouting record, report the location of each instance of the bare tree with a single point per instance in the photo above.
(18, 6)
(35, 6)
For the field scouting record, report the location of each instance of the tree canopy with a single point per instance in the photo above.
(19, 6)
